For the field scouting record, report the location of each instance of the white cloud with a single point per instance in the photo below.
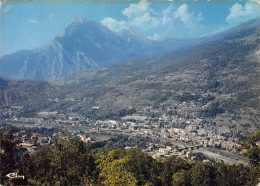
(144, 21)
(137, 9)
(189, 19)
(167, 15)
(239, 13)
(255, 1)
(141, 15)
(113, 24)
(183, 14)
(33, 21)
(155, 37)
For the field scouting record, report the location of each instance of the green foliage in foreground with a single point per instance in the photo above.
(69, 161)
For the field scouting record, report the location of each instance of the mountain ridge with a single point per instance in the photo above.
(85, 44)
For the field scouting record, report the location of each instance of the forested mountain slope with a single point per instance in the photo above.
(205, 81)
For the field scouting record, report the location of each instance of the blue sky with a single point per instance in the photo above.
(30, 24)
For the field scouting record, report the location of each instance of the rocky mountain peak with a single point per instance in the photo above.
(83, 26)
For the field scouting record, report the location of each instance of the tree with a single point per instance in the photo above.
(65, 162)
(7, 151)
(113, 165)
(115, 173)
(143, 166)
(27, 168)
(132, 165)
(173, 165)
(181, 178)
(221, 174)
(203, 173)
(250, 149)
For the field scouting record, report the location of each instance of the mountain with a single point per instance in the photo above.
(217, 82)
(83, 44)
(237, 29)
(24, 92)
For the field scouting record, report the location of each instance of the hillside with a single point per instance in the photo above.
(24, 92)
(218, 81)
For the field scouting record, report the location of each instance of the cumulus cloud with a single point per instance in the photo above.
(167, 15)
(113, 24)
(137, 9)
(142, 16)
(182, 14)
(145, 21)
(239, 13)
(256, 1)
(139, 15)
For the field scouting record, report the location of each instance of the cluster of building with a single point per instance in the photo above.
(185, 134)
(30, 141)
